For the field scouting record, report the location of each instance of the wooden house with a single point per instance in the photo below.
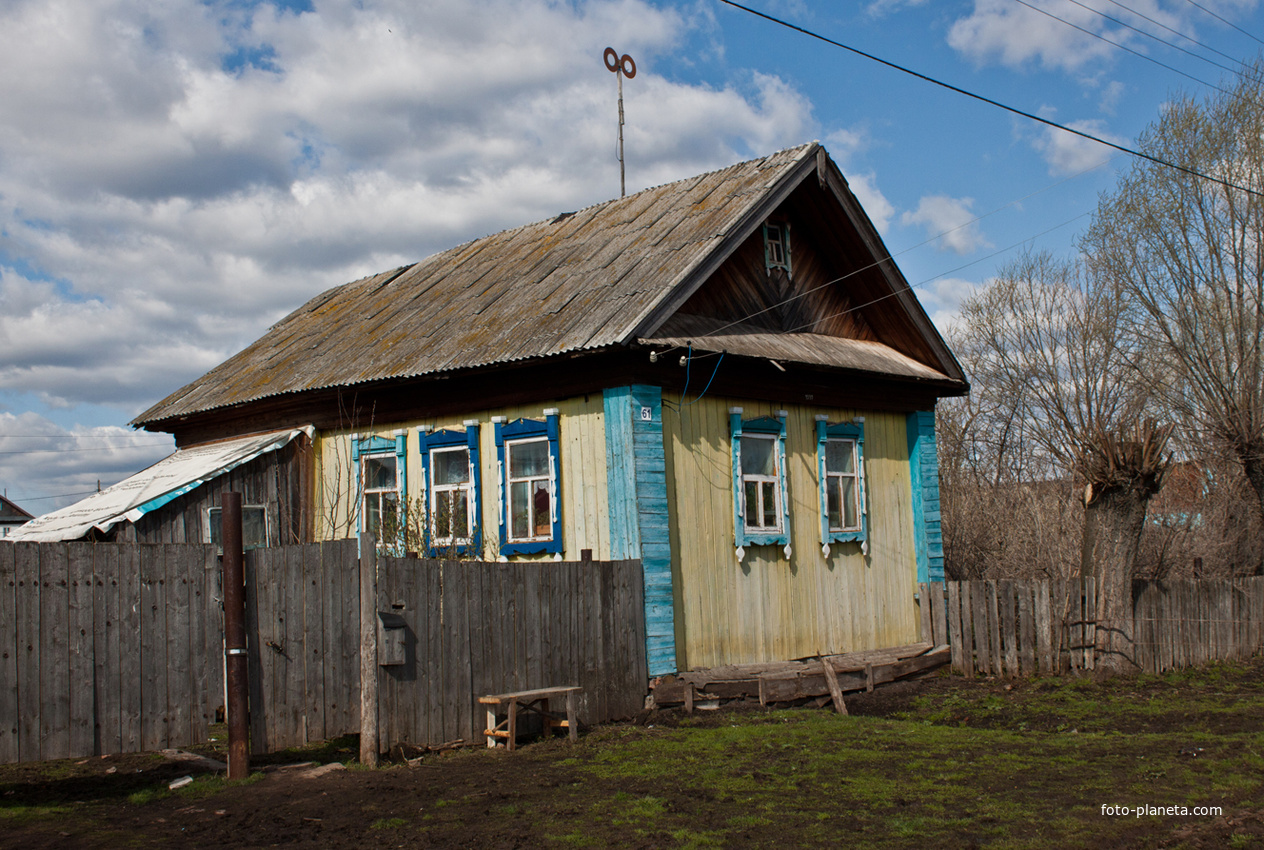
(726, 377)
(12, 517)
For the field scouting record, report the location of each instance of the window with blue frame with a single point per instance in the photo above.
(529, 465)
(449, 461)
(777, 246)
(840, 460)
(761, 508)
(383, 476)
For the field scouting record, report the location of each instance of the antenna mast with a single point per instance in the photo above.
(620, 66)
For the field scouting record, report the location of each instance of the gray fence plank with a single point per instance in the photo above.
(9, 710)
(54, 652)
(82, 740)
(129, 641)
(27, 567)
(181, 698)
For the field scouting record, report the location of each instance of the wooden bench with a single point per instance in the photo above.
(536, 701)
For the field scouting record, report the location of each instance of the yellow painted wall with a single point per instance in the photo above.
(581, 422)
(767, 608)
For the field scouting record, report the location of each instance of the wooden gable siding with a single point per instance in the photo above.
(582, 499)
(742, 290)
(280, 480)
(766, 608)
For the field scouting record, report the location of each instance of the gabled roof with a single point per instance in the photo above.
(11, 513)
(606, 275)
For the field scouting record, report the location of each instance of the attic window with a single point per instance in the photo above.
(777, 246)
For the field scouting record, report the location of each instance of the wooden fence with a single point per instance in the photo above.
(107, 649)
(475, 628)
(1024, 628)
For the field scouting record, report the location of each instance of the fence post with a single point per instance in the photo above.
(235, 637)
(368, 650)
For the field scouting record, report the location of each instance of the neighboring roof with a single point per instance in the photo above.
(588, 280)
(152, 488)
(11, 514)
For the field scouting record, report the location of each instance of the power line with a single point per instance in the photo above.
(1148, 35)
(1223, 20)
(1175, 32)
(1013, 110)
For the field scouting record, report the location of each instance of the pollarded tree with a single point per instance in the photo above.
(1189, 253)
(1051, 339)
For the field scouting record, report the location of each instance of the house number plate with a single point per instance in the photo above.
(647, 414)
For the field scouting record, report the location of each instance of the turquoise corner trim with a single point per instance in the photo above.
(928, 537)
(636, 479)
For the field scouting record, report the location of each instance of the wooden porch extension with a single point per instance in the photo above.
(826, 678)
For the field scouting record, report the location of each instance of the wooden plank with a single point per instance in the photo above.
(181, 698)
(9, 704)
(955, 639)
(939, 614)
(129, 643)
(27, 569)
(207, 637)
(293, 653)
(257, 562)
(1044, 634)
(927, 628)
(1026, 631)
(436, 665)
(836, 693)
(994, 628)
(153, 647)
(370, 743)
(54, 656)
(1090, 625)
(979, 612)
(458, 707)
(1005, 591)
(82, 738)
(335, 694)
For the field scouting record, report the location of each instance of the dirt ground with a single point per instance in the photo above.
(550, 793)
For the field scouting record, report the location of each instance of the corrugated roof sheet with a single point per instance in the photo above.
(569, 283)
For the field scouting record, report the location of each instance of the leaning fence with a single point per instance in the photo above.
(1024, 628)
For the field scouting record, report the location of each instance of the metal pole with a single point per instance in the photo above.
(235, 637)
(623, 188)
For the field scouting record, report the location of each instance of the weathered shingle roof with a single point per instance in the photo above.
(577, 281)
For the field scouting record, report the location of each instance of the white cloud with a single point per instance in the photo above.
(882, 8)
(1067, 153)
(876, 205)
(942, 299)
(949, 220)
(1011, 34)
(183, 201)
(46, 467)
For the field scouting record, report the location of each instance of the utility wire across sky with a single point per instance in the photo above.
(983, 99)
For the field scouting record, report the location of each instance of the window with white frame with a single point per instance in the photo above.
(382, 470)
(842, 485)
(840, 458)
(451, 497)
(760, 507)
(761, 483)
(449, 462)
(528, 463)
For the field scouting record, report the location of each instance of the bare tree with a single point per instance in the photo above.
(1189, 253)
(1052, 343)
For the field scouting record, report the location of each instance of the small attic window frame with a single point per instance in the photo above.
(776, 246)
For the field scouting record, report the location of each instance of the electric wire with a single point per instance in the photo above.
(1175, 32)
(1225, 21)
(991, 102)
(1148, 35)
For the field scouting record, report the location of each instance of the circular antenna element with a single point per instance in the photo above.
(616, 63)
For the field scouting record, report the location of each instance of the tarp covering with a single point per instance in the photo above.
(154, 487)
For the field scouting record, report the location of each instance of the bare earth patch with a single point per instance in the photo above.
(934, 762)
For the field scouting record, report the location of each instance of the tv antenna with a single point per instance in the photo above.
(620, 66)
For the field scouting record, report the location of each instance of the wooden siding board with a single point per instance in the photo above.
(129, 647)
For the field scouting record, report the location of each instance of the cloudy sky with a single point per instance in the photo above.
(176, 175)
